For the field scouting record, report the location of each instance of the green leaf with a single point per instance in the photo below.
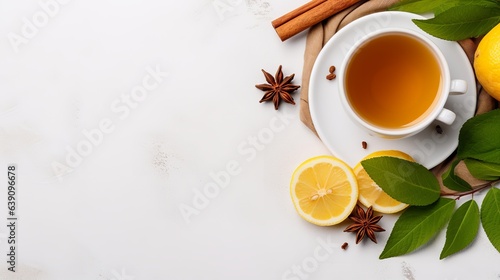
(479, 138)
(453, 182)
(416, 6)
(446, 5)
(462, 228)
(403, 180)
(417, 226)
(483, 170)
(490, 216)
(425, 6)
(461, 22)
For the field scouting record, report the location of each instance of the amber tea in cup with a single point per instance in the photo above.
(393, 81)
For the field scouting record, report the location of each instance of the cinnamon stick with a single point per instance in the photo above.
(308, 15)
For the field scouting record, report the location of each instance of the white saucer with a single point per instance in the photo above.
(344, 138)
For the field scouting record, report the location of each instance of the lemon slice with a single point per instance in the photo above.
(324, 190)
(370, 194)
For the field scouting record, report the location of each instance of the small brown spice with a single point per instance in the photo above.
(364, 223)
(331, 76)
(439, 130)
(364, 145)
(278, 88)
(344, 246)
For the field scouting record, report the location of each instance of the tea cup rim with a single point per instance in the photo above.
(437, 107)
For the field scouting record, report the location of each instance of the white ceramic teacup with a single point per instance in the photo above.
(436, 111)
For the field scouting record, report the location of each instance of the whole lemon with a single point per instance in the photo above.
(487, 62)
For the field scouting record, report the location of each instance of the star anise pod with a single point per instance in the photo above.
(364, 223)
(277, 88)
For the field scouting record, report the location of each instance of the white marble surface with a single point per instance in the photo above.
(122, 116)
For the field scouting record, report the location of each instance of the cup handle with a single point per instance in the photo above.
(446, 116)
(458, 87)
